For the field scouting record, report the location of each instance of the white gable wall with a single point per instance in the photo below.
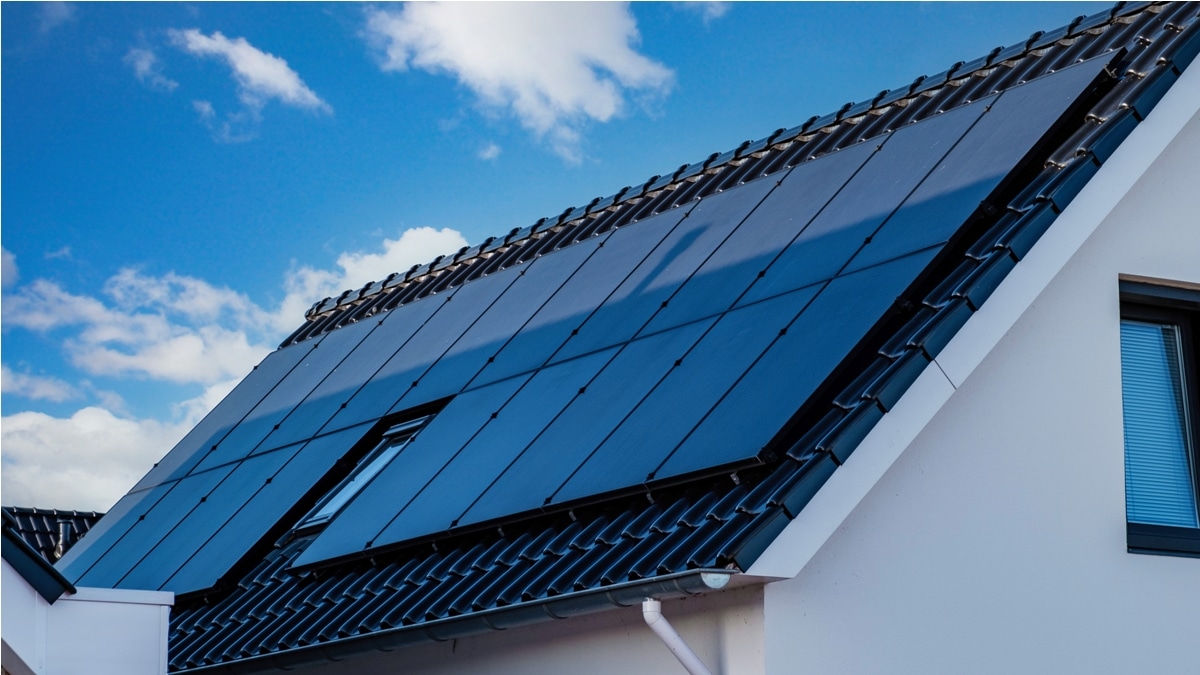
(995, 542)
(98, 631)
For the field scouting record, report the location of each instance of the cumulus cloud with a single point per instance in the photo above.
(36, 387)
(555, 66)
(161, 336)
(55, 14)
(8, 269)
(161, 328)
(260, 76)
(88, 460)
(148, 69)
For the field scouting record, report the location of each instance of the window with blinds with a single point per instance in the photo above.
(1159, 399)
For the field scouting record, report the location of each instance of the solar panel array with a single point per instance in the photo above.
(673, 346)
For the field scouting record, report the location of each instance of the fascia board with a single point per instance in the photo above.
(121, 596)
(846, 488)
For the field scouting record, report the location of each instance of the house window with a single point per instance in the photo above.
(1159, 400)
(394, 440)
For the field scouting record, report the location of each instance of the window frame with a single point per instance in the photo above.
(392, 442)
(1170, 305)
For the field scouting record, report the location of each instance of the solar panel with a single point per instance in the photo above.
(673, 408)
(586, 289)
(1008, 132)
(356, 527)
(285, 398)
(399, 377)
(149, 526)
(536, 283)
(831, 239)
(568, 441)
(210, 558)
(225, 416)
(734, 266)
(178, 544)
(793, 367)
(111, 528)
(666, 268)
(497, 445)
(392, 330)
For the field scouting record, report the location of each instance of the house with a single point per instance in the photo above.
(904, 388)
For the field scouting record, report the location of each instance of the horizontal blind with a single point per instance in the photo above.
(1158, 476)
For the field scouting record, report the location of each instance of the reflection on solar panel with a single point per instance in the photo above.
(675, 345)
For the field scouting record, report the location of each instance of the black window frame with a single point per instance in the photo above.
(1178, 306)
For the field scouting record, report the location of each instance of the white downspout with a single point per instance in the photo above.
(652, 613)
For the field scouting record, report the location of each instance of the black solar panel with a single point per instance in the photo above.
(639, 443)
(568, 441)
(284, 399)
(175, 547)
(259, 509)
(675, 344)
(150, 526)
(801, 195)
(644, 292)
(391, 332)
(889, 176)
(417, 464)
(587, 289)
(971, 171)
(793, 366)
(196, 445)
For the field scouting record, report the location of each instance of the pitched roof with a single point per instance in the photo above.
(635, 397)
(51, 532)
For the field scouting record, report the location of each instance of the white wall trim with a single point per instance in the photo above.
(120, 595)
(846, 488)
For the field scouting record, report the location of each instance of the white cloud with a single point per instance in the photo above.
(415, 246)
(707, 10)
(148, 70)
(55, 14)
(9, 274)
(36, 387)
(556, 66)
(204, 109)
(260, 76)
(169, 328)
(88, 460)
(161, 328)
(489, 152)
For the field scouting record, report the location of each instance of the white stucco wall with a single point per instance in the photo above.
(94, 631)
(723, 628)
(995, 542)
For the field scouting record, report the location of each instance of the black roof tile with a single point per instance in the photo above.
(51, 532)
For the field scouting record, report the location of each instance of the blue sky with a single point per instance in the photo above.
(181, 181)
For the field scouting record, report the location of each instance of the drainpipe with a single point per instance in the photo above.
(652, 613)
